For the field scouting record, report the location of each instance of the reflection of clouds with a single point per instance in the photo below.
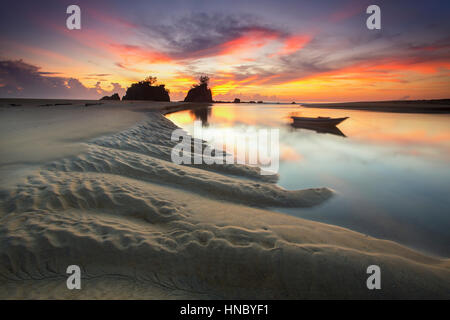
(373, 135)
(288, 153)
(391, 167)
(432, 154)
(181, 118)
(224, 114)
(415, 144)
(412, 152)
(408, 138)
(246, 115)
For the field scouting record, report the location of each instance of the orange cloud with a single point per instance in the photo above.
(100, 40)
(250, 41)
(228, 83)
(384, 70)
(293, 44)
(42, 53)
(137, 54)
(424, 67)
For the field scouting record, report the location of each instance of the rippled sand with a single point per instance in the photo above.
(108, 198)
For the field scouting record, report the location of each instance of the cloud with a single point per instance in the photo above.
(329, 47)
(246, 97)
(138, 54)
(202, 35)
(97, 74)
(385, 58)
(294, 43)
(19, 79)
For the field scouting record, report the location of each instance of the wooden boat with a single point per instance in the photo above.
(319, 121)
(319, 129)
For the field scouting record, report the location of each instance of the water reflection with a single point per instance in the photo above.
(390, 174)
(328, 129)
(201, 114)
(424, 136)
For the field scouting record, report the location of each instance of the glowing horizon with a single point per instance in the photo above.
(251, 51)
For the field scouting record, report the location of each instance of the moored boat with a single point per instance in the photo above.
(319, 129)
(319, 121)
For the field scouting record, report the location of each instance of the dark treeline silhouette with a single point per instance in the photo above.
(115, 96)
(147, 90)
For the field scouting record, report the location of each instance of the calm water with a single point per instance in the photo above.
(390, 171)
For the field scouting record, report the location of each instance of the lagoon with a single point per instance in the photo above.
(390, 171)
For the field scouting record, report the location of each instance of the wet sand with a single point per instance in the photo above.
(101, 192)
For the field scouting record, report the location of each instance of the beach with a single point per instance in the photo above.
(94, 186)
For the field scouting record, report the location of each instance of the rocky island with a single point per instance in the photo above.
(200, 92)
(147, 90)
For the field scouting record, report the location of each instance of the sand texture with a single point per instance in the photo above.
(103, 194)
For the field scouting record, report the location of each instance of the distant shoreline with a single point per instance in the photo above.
(441, 106)
(436, 106)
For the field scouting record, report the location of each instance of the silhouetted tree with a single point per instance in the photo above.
(200, 92)
(147, 90)
(150, 80)
(204, 80)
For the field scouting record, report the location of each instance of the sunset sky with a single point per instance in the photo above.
(253, 50)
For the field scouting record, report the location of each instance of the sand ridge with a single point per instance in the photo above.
(140, 226)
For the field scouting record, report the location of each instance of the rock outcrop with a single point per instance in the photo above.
(115, 96)
(144, 90)
(199, 93)
(237, 100)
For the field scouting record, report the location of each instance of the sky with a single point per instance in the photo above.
(283, 50)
